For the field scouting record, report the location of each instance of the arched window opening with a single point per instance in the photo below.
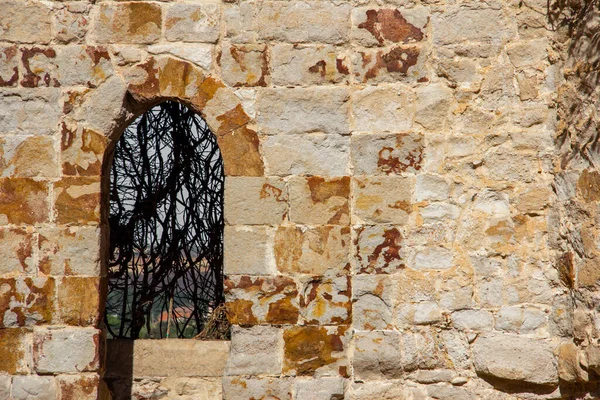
(165, 271)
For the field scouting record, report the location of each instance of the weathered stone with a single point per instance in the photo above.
(30, 113)
(16, 251)
(318, 250)
(15, 350)
(101, 109)
(287, 111)
(259, 388)
(528, 54)
(25, 22)
(247, 251)
(569, 364)
(244, 64)
(387, 154)
(383, 199)
(69, 350)
(520, 319)
(373, 302)
(315, 351)
(320, 389)
(377, 355)
(422, 349)
(199, 54)
(432, 376)
(27, 301)
(377, 27)
(193, 388)
(395, 64)
(473, 320)
(82, 151)
(433, 105)
(515, 358)
(316, 200)
(28, 157)
(127, 22)
(255, 351)
(299, 22)
(297, 65)
(9, 66)
(77, 200)
(69, 251)
(192, 22)
(238, 20)
(385, 390)
(79, 300)
(34, 387)
(379, 109)
(326, 301)
(255, 201)
(78, 387)
(241, 155)
(271, 300)
(422, 313)
(71, 23)
(378, 249)
(83, 65)
(313, 154)
(5, 386)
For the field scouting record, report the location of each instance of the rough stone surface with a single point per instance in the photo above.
(255, 351)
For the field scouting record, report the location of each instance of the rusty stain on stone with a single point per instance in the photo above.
(141, 17)
(342, 69)
(150, 87)
(9, 54)
(397, 60)
(390, 24)
(322, 190)
(589, 185)
(308, 348)
(232, 119)
(11, 350)
(79, 301)
(268, 190)
(78, 389)
(319, 68)
(240, 152)
(389, 160)
(77, 200)
(23, 200)
(26, 301)
(388, 250)
(36, 78)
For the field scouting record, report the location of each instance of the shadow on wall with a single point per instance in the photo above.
(577, 23)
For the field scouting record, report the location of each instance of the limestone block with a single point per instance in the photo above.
(254, 351)
(515, 358)
(298, 110)
(9, 66)
(102, 108)
(384, 390)
(383, 26)
(30, 113)
(433, 106)
(422, 349)
(326, 300)
(520, 319)
(78, 387)
(82, 150)
(79, 300)
(320, 389)
(83, 65)
(457, 349)
(25, 22)
(71, 23)
(316, 251)
(534, 200)
(15, 351)
(126, 22)
(438, 213)
(383, 109)
(395, 64)
(518, 166)
(200, 54)
(450, 392)
(473, 320)
(303, 65)
(422, 313)
(459, 24)
(247, 250)
(592, 356)
(193, 388)
(255, 201)
(69, 251)
(312, 154)
(67, 350)
(34, 387)
(259, 300)
(384, 199)
(374, 297)
(489, 293)
(374, 154)
(300, 21)
(315, 200)
(192, 22)
(77, 200)
(378, 249)
(244, 64)
(39, 67)
(238, 387)
(5, 381)
(28, 301)
(238, 20)
(16, 251)
(569, 363)
(315, 351)
(377, 355)
(29, 157)
(528, 86)
(531, 53)
(431, 188)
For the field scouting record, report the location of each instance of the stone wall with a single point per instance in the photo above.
(397, 226)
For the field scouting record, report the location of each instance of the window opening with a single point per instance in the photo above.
(165, 273)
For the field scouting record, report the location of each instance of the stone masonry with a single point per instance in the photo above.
(411, 201)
